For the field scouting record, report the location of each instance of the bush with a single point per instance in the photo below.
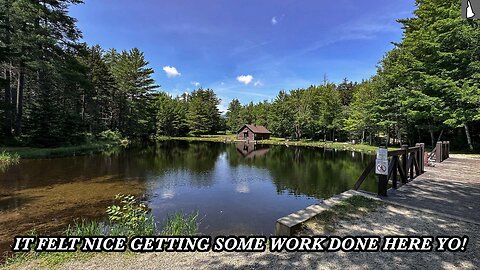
(111, 136)
(130, 218)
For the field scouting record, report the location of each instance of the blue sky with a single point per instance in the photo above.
(248, 49)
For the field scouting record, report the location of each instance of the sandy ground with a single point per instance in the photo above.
(387, 220)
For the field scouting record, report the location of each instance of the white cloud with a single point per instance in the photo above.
(171, 71)
(258, 83)
(274, 21)
(196, 84)
(242, 188)
(245, 79)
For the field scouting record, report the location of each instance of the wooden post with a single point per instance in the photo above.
(395, 171)
(444, 150)
(404, 163)
(422, 158)
(419, 158)
(447, 149)
(412, 165)
(438, 154)
(382, 185)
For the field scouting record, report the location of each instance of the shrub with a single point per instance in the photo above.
(130, 218)
(7, 159)
(111, 136)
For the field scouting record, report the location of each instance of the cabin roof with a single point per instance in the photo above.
(256, 129)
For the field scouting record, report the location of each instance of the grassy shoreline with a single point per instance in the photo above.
(369, 149)
(38, 153)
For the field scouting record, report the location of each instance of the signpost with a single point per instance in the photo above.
(381, 165)
(381, 169)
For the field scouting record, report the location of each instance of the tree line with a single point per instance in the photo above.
(57, 90)
(426, 89)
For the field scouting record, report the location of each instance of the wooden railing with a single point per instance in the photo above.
(441, 152)
(404, 165)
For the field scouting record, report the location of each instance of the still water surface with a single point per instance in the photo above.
(237, 189)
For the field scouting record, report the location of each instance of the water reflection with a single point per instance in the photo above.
(252, 150)
(238, 189)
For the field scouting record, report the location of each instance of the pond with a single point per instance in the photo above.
(238, 189)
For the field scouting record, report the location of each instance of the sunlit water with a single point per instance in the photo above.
(237, 189)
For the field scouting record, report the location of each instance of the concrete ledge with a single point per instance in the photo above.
(286, 226)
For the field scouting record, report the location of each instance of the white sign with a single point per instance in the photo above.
(382, 153)
(381, 167)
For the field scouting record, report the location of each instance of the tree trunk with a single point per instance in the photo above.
(388, 139)
(440, 136)
(432, 136)
(469, 138)
(19, 103)
(399, 136)
(8, 103)
(363, 136)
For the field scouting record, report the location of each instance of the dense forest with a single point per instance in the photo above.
(59, 91)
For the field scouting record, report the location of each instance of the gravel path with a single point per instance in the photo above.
(387, 220)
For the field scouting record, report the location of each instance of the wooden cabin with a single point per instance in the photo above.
(253, 133)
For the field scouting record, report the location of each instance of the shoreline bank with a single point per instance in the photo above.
(368, 149)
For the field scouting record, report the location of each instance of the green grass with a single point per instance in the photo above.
(280, 141)
(179, 224)
(34, 153)
(86, 228)
(349, 209)
(49, 260)
(133, 222)
(7, 159)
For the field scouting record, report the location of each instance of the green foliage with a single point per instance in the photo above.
(8, 159)
(66, 89)
(234, 116)
(171, 116)
(179, 224)
(82, 149)
(429, 82)
(110, 136)
(86, 228)
(361, 112)
(130, 217)
(203, 116)
(69, 92)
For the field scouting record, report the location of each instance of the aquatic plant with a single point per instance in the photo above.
(130, 217)
(180, 223)
(7, 159)
(86, 228)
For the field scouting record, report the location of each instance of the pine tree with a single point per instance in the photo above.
(203, 115)
(234, 115)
